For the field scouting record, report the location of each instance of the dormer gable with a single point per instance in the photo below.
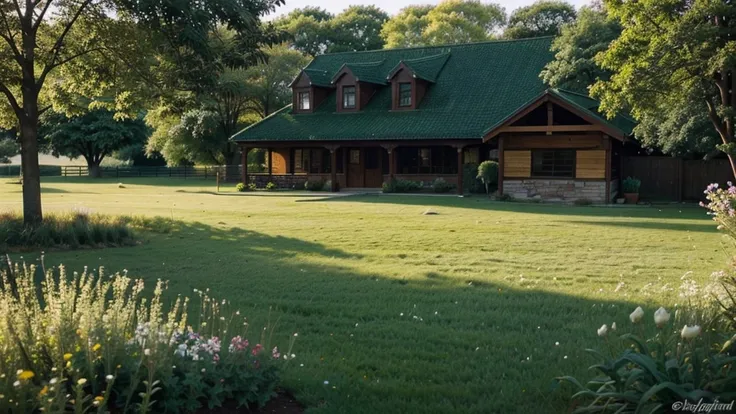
(411, 78)
(309, 89)
(356, 83)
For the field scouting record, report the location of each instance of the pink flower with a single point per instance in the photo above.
(275, 353)
(257, 349)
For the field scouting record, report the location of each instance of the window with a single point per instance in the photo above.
(313, 161)
(553, 163)
(355, 156)
(432, 160)
(304, 100)
(348, 97)
(404, 94)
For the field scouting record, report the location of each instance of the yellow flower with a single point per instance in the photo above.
(67, 357)
(96, 347)
(99, 398)
(69, 364)
(43, 391)
(26, 375)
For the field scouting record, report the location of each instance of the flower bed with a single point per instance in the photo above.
(91, 343)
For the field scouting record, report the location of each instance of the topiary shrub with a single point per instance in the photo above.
(488, 175)
(439, 185)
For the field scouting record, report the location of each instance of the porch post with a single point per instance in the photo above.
(391, 149)
(333, 170)
(270, 163)
(244, 161)
(460, 170)
(607, 146)
(500, 165)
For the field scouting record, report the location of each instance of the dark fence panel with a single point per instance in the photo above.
(675, 179)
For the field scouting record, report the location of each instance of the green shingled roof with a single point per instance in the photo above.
(372, 72)
(590, 106)
(319, 77)
(476, 86)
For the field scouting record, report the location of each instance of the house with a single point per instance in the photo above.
(359, 119)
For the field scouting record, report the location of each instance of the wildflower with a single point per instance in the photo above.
(26, 375)
(67, 357)
(613, 326)
(256, 349)
(203, 370)
(327, 382)
(96, 347)
(53, 381)
(16, 384)
(43, 391)
(99, 398)
(275, 353)
(661, 316)
(109, 378)
(81, 381)
(690, 332)
(603, 330)
(636, 315)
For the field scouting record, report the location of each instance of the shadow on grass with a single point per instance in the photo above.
(708, 227)
(675, 211)
(440, 343)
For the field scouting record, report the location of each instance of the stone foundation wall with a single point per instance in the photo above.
(556, 190)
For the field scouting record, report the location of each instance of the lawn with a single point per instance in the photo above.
(475, 309)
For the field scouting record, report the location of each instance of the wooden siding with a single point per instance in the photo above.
(517, 164)
(594, 141)
(590, 164)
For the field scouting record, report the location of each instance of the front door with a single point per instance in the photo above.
(355, 177)
(373, 170)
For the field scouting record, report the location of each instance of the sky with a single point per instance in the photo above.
(393, 6)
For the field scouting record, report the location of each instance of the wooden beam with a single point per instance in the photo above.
(550, 116)
(549, 129)
(270, 163)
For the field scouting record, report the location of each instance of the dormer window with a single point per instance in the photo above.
(348, 97)
(405, 94)
(304, 101)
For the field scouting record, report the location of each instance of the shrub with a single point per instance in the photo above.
(631, 185)
(314, 185)
(92, 343)
(505, 197)
(252, 187)
(241, 187)
(471, 183)
(401, 186)
(583, 202)
(488, 174)
(270, 186)
(439, 185)
(327, 186)
(75, 229)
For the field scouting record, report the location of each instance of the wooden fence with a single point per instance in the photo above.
(185, 172)
(675, 179)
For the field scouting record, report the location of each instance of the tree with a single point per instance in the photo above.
(94, 135)
(488, 173)
(671, 56)
(314, 31)
(574, 67)
(543, 18)
(8, 147)
(268, 83)
(451, 21)
(37, 36)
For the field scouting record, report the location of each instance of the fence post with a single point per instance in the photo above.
(205, 172)
(185, 172)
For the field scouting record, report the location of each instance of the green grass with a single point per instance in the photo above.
(399, 311)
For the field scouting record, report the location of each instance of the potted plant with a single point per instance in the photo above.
(630, 187)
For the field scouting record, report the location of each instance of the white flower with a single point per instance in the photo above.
(690, 332)
(661, 317)
(16, 384)
(203, 370)
(613, 326)
(82, 381)
(53, 381)
(147, 352)
(636, 315)
(603, 330)
(327, 382)
(109, 378)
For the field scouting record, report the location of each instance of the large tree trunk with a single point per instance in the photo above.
(93, 170)
(32, 212)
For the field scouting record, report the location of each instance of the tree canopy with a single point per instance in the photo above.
(314, 31)
(672, 67)
(451, 21)
(543, 18)
(93, 135)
